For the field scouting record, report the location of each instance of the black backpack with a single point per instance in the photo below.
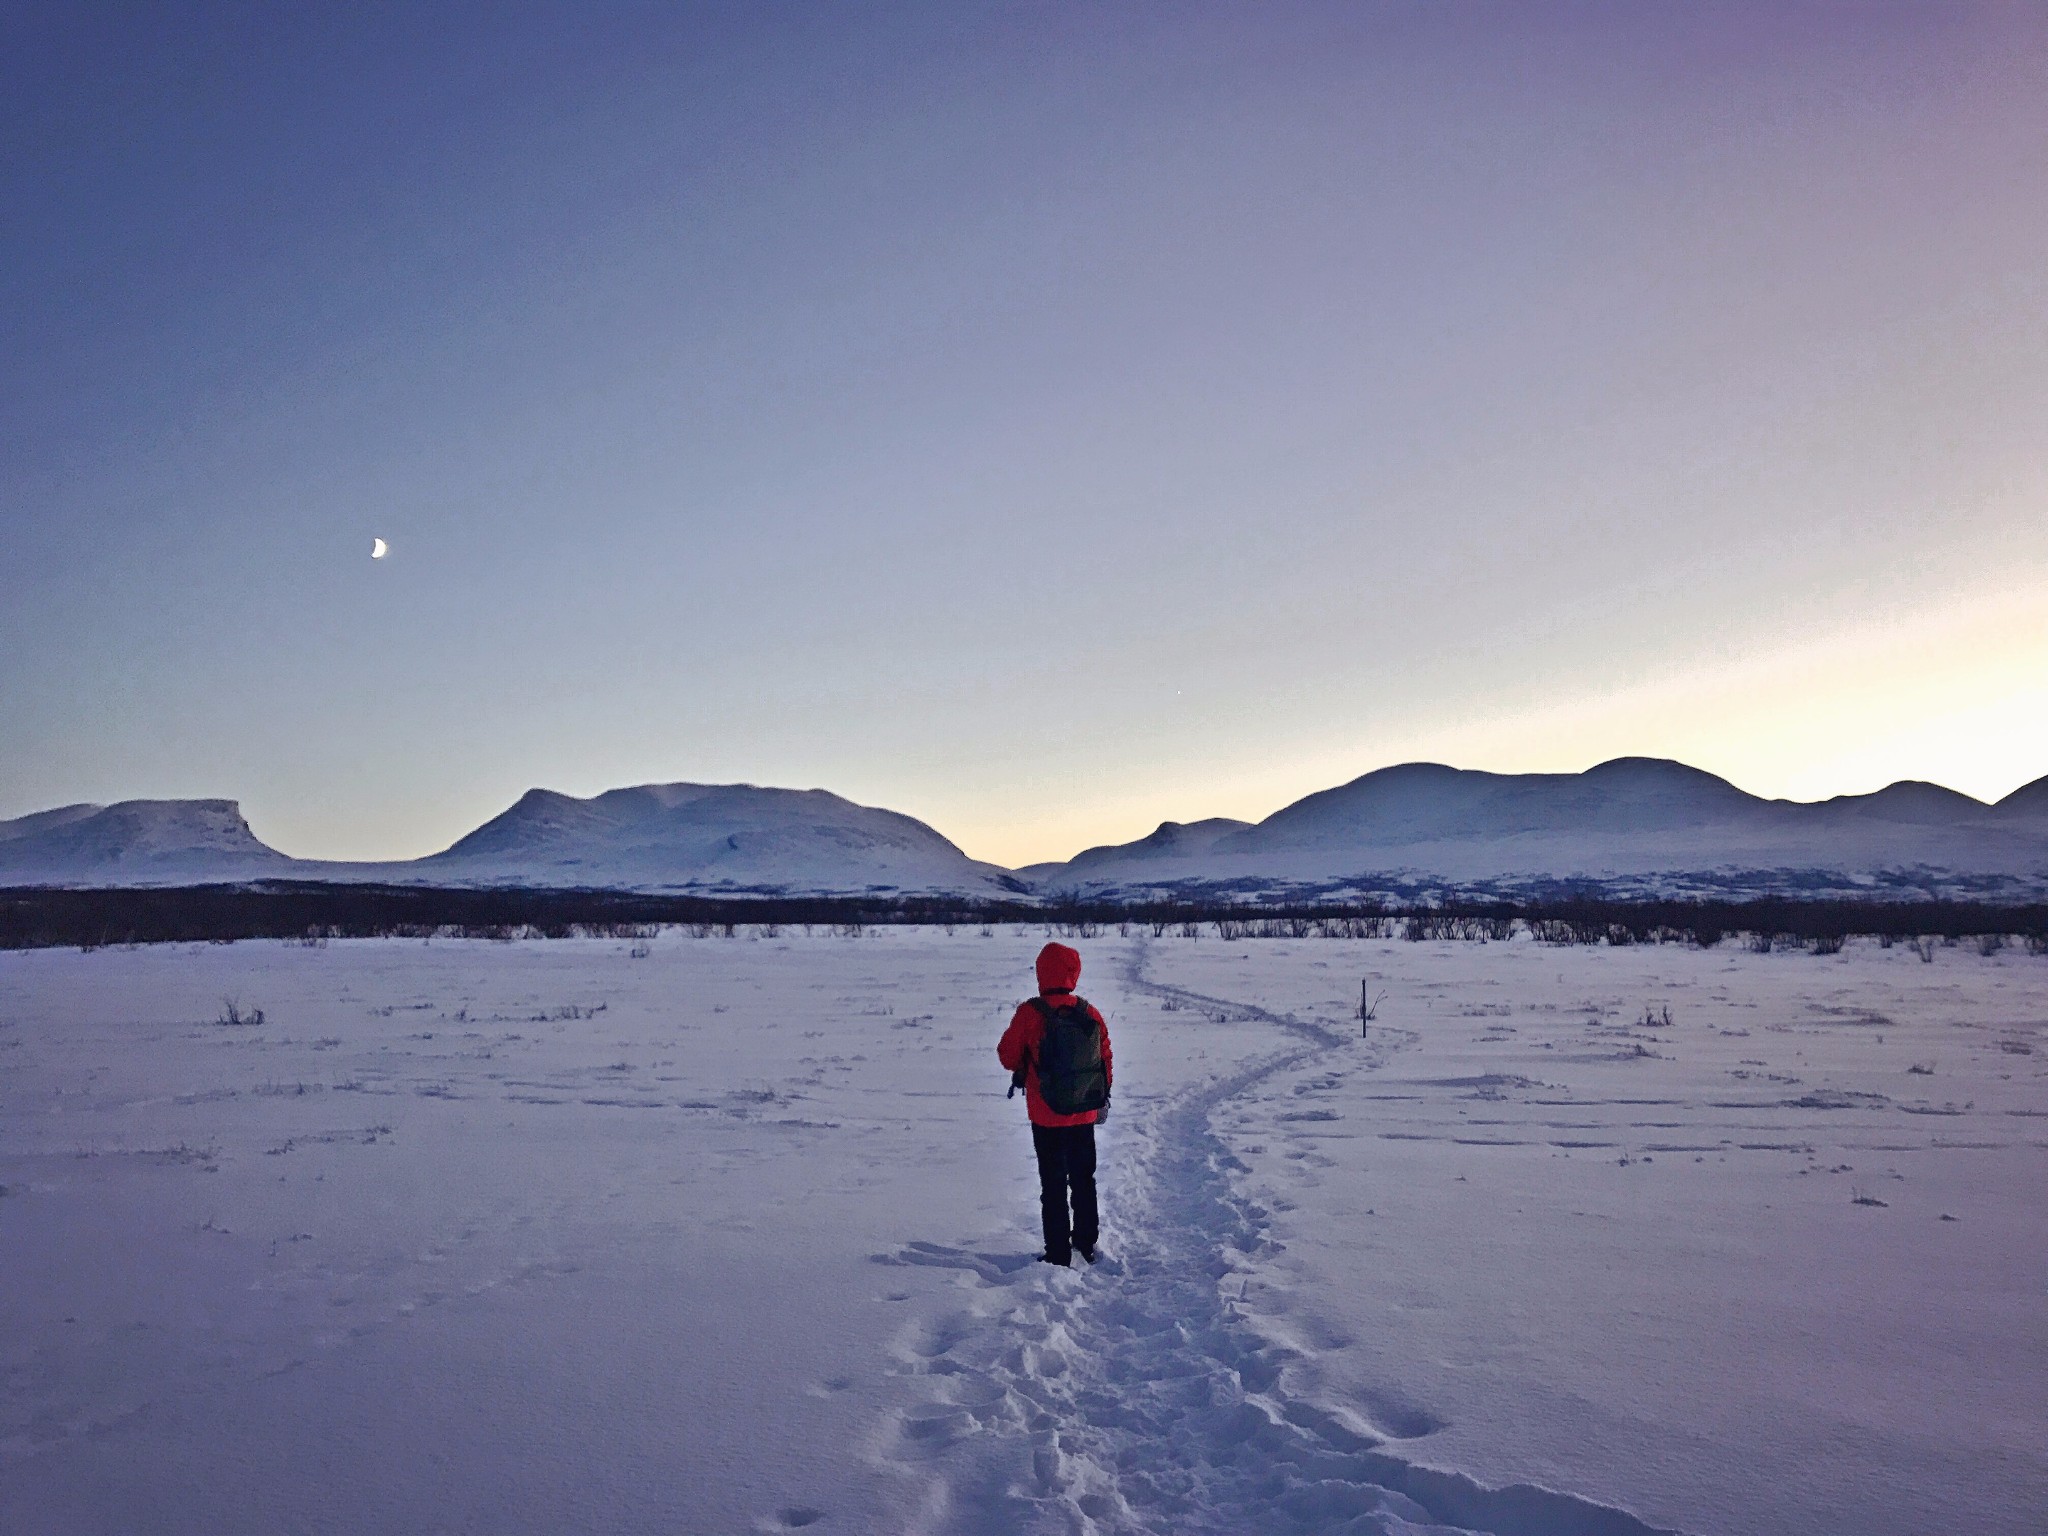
(1071, 1078)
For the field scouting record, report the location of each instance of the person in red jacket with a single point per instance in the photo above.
(1065, 1143)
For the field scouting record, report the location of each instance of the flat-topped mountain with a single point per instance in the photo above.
(135, 842)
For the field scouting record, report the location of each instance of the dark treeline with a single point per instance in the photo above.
(41, 918)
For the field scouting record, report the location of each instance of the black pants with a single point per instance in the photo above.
(1066, 1163)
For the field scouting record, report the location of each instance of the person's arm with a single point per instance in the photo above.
(1017, 1039)
(1108, 1064)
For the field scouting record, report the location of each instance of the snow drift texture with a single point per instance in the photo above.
(723, 1237)
(1634, 826)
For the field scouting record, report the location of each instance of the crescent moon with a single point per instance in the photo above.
(379, 549)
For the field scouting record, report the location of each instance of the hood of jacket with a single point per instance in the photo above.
(1059, 968)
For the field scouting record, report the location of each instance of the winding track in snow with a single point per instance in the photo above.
(1140, 1402)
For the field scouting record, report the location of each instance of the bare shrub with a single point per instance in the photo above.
(1368, 1002)
(1371, 926)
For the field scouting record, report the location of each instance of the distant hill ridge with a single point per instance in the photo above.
(1634, 824)
(1631, 823)
(732, 835)
(1417, 801)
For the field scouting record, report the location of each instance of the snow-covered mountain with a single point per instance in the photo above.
(733, 838)
(137, 842)
(1173, 840)
(2029, 800)
(710, 836)
(1633, 825)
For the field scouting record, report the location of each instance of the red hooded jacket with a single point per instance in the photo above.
(1058, 969)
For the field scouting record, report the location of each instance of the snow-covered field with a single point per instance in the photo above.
(735, 1236)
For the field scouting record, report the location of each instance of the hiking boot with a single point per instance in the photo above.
(1086, 1251)
(1062, 1260)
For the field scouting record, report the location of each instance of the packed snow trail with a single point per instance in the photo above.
(1135, 1398)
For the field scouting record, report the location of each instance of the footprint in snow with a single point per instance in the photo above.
(1151, 1406)
(993, 1268)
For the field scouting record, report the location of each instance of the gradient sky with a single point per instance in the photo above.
(1043, 420)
